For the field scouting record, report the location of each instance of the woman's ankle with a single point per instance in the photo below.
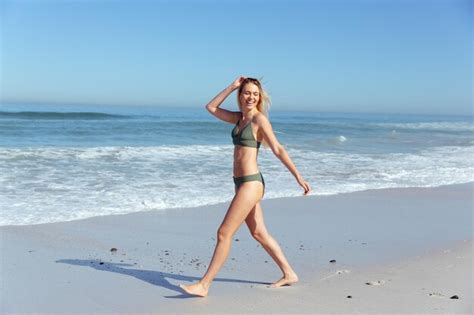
(290, 273)
(205, 284)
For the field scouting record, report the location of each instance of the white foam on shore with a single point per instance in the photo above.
(40, 185)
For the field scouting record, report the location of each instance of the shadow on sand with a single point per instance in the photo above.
(157, 278)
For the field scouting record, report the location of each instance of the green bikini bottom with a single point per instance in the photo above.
(238, 181)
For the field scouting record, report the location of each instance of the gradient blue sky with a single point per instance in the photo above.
(342, 56)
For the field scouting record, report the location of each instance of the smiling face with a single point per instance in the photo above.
(249, 97)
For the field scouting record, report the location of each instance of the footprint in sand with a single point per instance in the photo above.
(337, 273)
(378, 282)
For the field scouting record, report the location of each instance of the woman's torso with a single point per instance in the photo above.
(245, 153)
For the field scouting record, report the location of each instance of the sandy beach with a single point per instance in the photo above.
(400, 250)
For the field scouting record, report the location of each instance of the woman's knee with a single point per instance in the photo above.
(224, 233)
(260, 235)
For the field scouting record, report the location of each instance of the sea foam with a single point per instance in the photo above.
(61, 184)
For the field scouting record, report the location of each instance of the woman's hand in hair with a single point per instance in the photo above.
(236, 84)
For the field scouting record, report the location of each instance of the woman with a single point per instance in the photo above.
(251, 128)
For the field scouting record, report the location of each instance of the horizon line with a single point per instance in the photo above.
(305, 109)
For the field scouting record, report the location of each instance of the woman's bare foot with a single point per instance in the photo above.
(285, 280)
(197, 289)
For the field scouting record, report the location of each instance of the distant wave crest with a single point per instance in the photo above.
(59, 115)
(441, 126)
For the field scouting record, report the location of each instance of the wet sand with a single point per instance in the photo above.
(395, 250)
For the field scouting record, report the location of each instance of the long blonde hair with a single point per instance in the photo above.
(264, 101)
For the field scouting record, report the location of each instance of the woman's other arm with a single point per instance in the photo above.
(223, 114)
(280, 152)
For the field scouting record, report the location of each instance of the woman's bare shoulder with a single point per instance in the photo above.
(260, 119)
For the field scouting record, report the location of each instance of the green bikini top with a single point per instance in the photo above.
(245, 138)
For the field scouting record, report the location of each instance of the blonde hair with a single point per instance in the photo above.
(264, 101)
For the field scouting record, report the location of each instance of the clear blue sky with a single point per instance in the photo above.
(354, 56)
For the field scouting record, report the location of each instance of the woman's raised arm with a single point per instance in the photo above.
(223, 114)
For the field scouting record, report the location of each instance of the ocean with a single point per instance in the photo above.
(62, 163)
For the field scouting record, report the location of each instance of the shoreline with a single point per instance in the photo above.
(227, 203)
(417, 240)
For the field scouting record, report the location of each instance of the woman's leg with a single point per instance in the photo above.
(244, 200)
(258, 230)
